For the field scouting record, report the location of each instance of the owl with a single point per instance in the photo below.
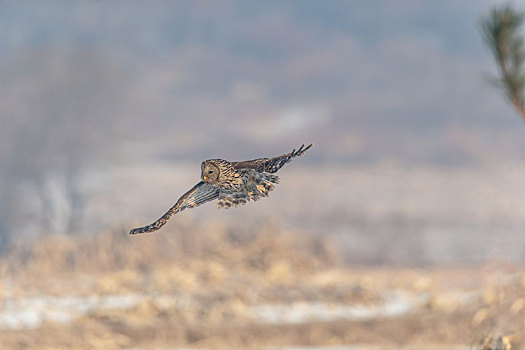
(231, 183)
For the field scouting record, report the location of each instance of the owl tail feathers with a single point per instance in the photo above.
(228, 200)
(263, 184)
(157, 224)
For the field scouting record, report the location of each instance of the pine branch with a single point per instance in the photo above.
(500, 30)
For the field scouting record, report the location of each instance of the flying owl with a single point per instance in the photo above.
(231, 183)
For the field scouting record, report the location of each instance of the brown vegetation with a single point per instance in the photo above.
(197, 286)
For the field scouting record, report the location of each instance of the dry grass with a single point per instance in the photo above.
(264, 250)
(197, 284)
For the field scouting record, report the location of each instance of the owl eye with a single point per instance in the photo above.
(210, 172)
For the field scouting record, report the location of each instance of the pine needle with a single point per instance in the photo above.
(500, 30)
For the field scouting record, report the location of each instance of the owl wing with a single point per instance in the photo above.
(199, 194)
(271, 165)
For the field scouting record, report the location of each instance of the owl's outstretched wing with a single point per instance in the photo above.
(271, 165)
(199, 194)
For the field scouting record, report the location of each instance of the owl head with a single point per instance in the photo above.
(211, 171)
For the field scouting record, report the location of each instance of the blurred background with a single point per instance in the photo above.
(403, 226)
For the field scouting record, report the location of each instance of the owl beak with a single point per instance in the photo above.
(205, 177)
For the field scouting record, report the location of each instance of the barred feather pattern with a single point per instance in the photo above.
(254, 186)
(232, 183)
(271, 165)
(199, 194)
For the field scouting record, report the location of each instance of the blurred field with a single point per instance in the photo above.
(216, 285)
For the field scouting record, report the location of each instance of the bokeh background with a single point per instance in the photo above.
(403, 225)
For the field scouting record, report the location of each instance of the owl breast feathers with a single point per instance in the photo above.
(231, 183)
